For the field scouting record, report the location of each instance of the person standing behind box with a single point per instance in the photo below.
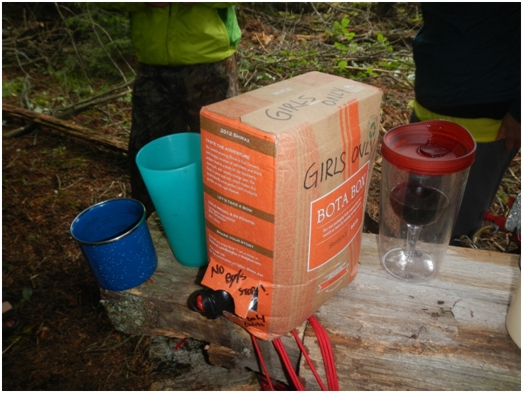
(186, 54)
(468, 70)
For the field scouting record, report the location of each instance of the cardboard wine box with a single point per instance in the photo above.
(286, 172)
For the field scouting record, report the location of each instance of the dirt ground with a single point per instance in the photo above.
(66, 341)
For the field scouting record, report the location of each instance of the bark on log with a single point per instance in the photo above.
(65, 126)
(159, 307)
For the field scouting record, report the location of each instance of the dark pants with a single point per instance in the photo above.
(168, 100)
(486, 173)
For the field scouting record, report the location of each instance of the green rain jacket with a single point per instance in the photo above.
(180, 34)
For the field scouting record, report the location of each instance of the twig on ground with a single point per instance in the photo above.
(112, 348)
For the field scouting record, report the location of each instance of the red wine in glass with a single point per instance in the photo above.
(418, 204)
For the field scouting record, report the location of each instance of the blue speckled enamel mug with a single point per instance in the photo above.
(116, 242)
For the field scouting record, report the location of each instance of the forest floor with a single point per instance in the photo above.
(66, 341)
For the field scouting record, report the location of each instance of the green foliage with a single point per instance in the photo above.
(75, 47)
(340, 38)
(340, 30)
(501, 195)
(60, 150)
(383, 43)
(13, 87)
(100, 35)
(71, 79)
(127, 98)
(27, 292)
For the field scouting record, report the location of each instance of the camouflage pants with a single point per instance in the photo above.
(168, 100)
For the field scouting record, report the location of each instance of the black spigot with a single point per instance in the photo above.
(211, 303)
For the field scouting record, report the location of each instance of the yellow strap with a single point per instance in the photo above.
(483, 129)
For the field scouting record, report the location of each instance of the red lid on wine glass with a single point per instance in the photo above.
(434, 148)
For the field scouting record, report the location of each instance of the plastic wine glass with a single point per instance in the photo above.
(424, 174)
(417, 205)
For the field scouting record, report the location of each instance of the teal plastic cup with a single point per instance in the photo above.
(171, 168)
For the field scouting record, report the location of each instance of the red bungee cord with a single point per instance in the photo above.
(326, 352)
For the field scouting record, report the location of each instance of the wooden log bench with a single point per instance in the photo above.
(445, 334)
